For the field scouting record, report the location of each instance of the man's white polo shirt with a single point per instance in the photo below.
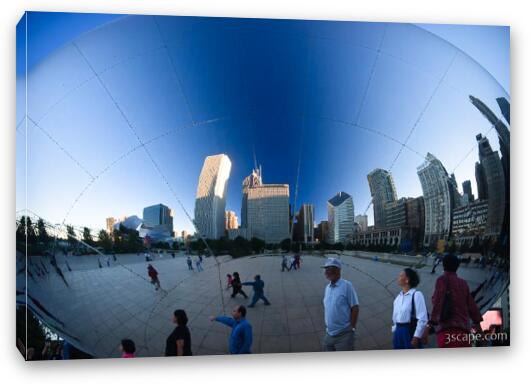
(338, 302)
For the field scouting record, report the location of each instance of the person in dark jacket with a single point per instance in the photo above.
(452, 325)
(237, 285)
(258, 289)
(154, 275)
(179, 342)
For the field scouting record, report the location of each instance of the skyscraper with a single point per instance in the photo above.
(467, 190)
(363, 222)
(504, 138)
(210, 198)
(340, 218)
(157, 222)
(158, 216)
(495, 180)
(304, 227)
(251, 181)
(505, 108)
(268, 212)
(322, 231)
(383, 191)
(438, 200)
(481, 182)
(110, 221)
(231, 220)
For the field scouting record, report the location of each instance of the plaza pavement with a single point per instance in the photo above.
(101, 306)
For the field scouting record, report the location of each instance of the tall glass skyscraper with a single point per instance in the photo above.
(495, 183)
(438, 200)
(383, 191)
(209, 213)
(340, 218)
(158, 217)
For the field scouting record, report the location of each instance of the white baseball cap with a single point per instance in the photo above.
(332, 262)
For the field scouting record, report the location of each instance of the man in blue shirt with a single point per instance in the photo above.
(341, 309)
(258, 290)
(241, 337)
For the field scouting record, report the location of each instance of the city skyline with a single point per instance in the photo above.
(322, 150)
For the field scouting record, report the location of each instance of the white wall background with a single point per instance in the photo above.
(479, 365)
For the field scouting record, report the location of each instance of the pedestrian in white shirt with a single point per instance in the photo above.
(410, 315)
(341, 309)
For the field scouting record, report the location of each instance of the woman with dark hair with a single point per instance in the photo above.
(179, 343)
(128, 348)
(410, 315)
(237, 285)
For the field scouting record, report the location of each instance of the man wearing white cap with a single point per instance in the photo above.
(341, 309)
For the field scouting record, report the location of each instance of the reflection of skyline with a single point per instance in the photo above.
(332, 148)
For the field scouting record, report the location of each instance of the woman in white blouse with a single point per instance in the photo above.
(410, 315)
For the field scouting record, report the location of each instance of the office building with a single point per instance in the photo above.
(209, 213)
(340, 218)
(383, 191)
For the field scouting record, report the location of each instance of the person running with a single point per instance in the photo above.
(127, 348)
(410, 315)
(237, 285)
(179, 342)
(198, 264)
(285, 263)
(341, 309)
(229, 280)
(154, 275)
(453, 308)
(258, 291)
(241, 336)
(189, 262)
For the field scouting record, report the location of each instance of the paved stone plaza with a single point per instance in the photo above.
(100, 306)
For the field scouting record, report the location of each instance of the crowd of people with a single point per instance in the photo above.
(454, 312)
(453, 317)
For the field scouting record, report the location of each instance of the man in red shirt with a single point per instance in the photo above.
(452, 319)
(154, 275)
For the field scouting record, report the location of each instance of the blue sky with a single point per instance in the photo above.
(339, 94)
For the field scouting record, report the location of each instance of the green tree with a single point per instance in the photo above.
(285, 245)
(87, 236)
(257, 245)
(72, 239)
(105, 241)
(43, 236)
(23, 225)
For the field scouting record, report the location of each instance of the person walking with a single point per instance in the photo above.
(198, 263)
(258, 291)
(127, 348)
(453, 308)
(229, 280)
(410, 315)
(241, 336)
(237, 285)
(154, 275)
(189, 262)
(285, 266)
(341, 309)
(297, 261)
(179, 342)
(292, 264)
(436, 262)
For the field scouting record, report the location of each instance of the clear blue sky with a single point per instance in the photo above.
(260, 77)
